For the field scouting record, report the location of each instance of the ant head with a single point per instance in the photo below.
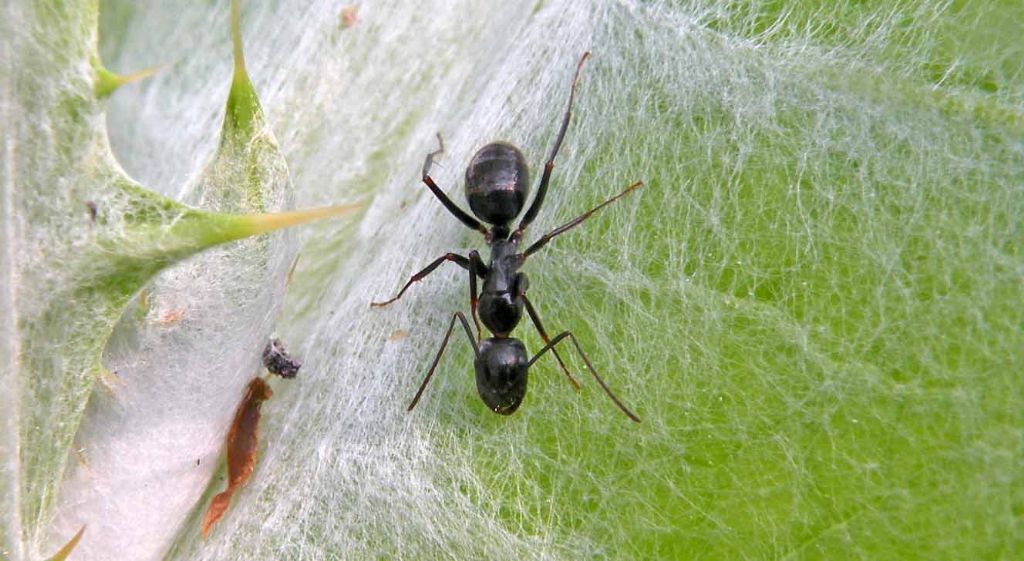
(497, 183)
(501, 369)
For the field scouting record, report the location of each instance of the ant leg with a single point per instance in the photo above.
(444, 343)
(544, 335)
(550, 164)
(429, 161)
(586, 360)
(476, 268)
(458, 259)
(466, 219)
(575, 221)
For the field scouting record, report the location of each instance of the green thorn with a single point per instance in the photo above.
(197, 230)
(246, 225)
(63, 553)
(243, 107)
(107, 81)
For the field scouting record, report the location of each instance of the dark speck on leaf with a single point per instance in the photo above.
(277, 360)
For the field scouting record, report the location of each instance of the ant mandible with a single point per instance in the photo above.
(497, 185)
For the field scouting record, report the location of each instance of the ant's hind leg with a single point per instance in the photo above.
(469, 221)
(458, 259)
(544, 335)
(558, 338)
(444, 343)
(542, 189)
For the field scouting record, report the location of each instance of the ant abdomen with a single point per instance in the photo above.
(501, 371)
(497, 183)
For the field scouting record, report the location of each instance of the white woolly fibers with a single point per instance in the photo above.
(810, 303)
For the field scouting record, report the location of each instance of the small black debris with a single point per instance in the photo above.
(277, 361)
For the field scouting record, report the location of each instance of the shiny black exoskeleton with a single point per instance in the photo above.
(501, 367)
(497, 186)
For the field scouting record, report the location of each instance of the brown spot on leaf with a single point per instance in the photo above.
(241, 449)
(348, 15)
(93, 211)
(168, 318)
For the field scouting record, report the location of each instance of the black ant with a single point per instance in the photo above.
(497, 184)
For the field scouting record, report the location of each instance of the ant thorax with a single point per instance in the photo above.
(501, 233)
(501, 303)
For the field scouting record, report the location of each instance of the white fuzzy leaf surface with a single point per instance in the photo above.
(814, 303)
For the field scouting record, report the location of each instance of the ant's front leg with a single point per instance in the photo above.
(466, 219)
(458, 259)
